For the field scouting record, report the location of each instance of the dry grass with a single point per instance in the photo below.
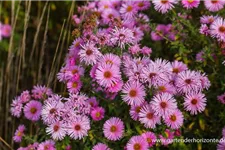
(26, 66)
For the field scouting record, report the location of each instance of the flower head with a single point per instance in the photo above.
(163, 6)
(133, 93)
(137, 143)
(57, 130)
(163, 104)
(100, 146)
(97, 113)
(32, 110)
(150, 137)
(175, 120)
(78, 128)
(195, 102)
(19, 133)
(113, 129)
(148, 117)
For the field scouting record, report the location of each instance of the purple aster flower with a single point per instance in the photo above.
(19, 133)
(137, 143)
(100, 146)
(113, 129)
(163, 104)
(78, 128)
(32, 110)
(16, 107)
(57, 130)
(195, 102)
(122, 36)
(47, 145)
(150, 137)
(41, 92)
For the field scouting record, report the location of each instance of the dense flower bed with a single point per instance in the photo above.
(116, 91)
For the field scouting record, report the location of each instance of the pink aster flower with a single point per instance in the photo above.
(159, 32)
(165, 87)
(178, 67)
(175, 120)
(76, 19)
(104, 5)
(221, 144)
(51, 111)
(41, 92)
(205, 83)
(93, 102)
(214, 5)
(19, 133)
(221, 98)
(103, 37)
(133, 93)
(188, 81)
(167, 138)
(163, 6)
(115, 87)
(16, 107)
(100, 146)
(111, 59)
(113, 129)
(195, 102)
(34, 146)
(134, 111)
(148, 117)
(134, 71)
(109, 14)
(89, 53)
(138, 34)
(163, 65)
(152, 74)
(134, 49)
(107, 74)
(137, 143)
(142, 4)
(163, 104)
(189, 4)
(57, 130)
(122, 36)
(79, 127)
(6, 30)
(150, 138)
(204, 29)
(146, 50)
(47, 145)
(128, 10)
(217, 29)
(25, 96)
(208, 19)
(97, 113)
(74, 86)
(32, 110)
(61, 76)
(74, 72)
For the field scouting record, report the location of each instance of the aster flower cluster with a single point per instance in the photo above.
(108, 63)
(5, 31)
(213, 26)
(163, 31)
(164, 6)
(28, 103)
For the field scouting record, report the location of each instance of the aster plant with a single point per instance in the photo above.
(116, 91)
